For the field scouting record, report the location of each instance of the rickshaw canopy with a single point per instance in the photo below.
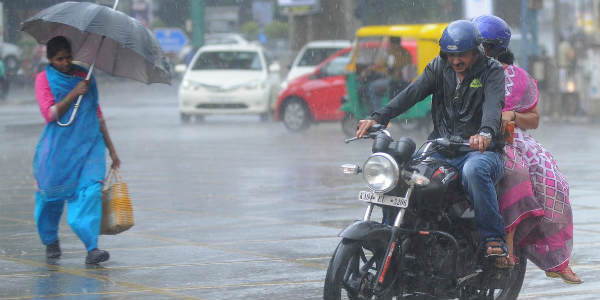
(425, 35)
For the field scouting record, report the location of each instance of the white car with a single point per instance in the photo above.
(311, 55)
(228, 79)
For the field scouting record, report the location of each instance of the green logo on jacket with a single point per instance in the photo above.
(476, 83)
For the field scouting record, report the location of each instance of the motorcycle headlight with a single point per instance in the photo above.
(381, 172)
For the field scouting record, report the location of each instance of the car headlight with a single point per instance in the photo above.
(252, 85)
(186, 84)
(284, 85)
(381, 172)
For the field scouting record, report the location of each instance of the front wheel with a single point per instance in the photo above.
(351, 273)
(296, 116)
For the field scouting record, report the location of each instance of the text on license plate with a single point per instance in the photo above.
(378, 198)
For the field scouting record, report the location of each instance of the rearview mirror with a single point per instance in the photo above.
(180, 68)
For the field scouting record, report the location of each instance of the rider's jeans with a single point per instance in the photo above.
(375, 94)
(479, 173)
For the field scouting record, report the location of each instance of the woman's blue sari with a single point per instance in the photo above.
(70, 158)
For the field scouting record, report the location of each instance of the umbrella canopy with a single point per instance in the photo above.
(129, 49)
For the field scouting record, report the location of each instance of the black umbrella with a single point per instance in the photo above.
(103, 37)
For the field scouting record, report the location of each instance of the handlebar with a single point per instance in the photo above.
(371, 133)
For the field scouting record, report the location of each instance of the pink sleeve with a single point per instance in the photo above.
(99, 112)
(44, 97)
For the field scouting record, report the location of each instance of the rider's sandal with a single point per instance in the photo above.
(567, 275)
(504, 260)
(507, 262)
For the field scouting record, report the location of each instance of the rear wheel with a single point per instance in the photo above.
(185, 118)
(296, 116)
(508, 290)
(351, 273)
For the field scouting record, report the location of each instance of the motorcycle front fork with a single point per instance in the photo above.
(383, 268)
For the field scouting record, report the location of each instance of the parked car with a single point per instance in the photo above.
(228, 79)
(315, 97)
(183, 56)
(311, 55)
(11, 56)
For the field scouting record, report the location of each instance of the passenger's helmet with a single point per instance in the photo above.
(460, 36)
(494, 31)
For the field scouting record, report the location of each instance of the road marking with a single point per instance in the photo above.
(238, 251)
(24, 275)
(87, 294)
(255, 284)
(559, 294)
(82, 273)
(28, 222)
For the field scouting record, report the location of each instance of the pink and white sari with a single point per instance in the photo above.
(539, 206)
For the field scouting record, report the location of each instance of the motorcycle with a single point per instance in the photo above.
(426, 244)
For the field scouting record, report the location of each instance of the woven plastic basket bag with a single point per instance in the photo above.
(117, 213)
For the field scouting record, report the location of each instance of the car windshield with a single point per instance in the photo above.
(228, 60)
(337, 66)
(314, 56)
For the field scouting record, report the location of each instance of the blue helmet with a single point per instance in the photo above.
(460, 36)
(493, 30)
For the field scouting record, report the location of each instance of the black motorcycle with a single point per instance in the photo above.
(426, 245)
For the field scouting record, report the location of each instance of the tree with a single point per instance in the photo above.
(277, 30)
(250, 30)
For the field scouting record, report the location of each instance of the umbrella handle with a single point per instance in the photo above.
(87, 77)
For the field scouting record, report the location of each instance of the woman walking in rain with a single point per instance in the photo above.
(535, 203)
(70, 162)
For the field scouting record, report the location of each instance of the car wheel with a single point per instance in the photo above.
(264, 117)
(296, 116)
(185, 118)
(12, 64)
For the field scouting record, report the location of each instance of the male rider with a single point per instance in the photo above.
(468, 97)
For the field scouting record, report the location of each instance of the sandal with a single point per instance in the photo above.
(507, 262)
(504, 260)
(495, 243)
(567, 275)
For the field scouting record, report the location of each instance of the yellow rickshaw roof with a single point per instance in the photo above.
(417, 31)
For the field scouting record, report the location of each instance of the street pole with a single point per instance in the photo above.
(524, 38)
(197, 18)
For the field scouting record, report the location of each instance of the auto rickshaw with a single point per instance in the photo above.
(370, 48)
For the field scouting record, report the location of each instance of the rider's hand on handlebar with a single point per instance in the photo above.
(363, 127)
(479, 142)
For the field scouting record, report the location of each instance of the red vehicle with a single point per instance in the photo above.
(315, 97)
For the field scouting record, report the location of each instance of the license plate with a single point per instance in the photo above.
(382, 199)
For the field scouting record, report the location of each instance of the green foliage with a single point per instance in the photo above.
(250, 29)
(277, 30)
(27, 45)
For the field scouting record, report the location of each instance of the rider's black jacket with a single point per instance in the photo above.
(457, 110)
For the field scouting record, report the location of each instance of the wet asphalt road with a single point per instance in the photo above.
(232, 208)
